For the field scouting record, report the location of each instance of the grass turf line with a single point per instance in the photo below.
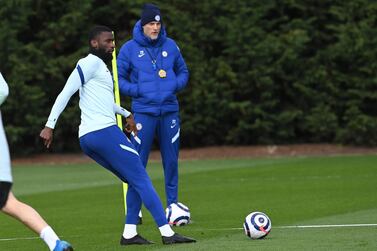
(83, 203)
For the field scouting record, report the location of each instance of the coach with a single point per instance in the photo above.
(152, 70)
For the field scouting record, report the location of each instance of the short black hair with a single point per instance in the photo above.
(96, 30)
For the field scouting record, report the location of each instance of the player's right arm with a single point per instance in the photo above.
(72, 85)
(4, 89)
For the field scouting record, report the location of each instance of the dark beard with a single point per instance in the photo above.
(102, 54)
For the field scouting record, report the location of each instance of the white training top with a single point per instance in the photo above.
(93, 79)
(5, 170)
(4, 90)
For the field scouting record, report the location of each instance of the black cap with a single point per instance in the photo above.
(150, 13)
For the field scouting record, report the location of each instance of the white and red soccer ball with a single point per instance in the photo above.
(257, 225)
(178, 214)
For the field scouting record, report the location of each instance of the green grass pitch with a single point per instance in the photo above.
(84, 204)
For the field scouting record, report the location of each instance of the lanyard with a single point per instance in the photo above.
(154, 59)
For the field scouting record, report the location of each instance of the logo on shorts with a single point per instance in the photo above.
(173, 123)
(139, 126)
(164, 54)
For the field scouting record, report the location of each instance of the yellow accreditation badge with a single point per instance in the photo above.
(162, 73)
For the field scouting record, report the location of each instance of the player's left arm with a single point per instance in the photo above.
(181, 71)
(130, 122)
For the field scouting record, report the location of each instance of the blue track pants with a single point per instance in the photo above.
(167, 129)
(110, 148)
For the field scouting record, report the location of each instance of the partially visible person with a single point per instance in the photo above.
(103, 141)
(152, 71)
(9, 203)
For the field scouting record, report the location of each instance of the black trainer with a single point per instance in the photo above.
(136, 240)
(176, 238)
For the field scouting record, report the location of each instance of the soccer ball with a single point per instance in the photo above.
(257, 225)
(177, 214)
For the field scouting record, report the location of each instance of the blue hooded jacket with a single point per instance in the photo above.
(139, 79)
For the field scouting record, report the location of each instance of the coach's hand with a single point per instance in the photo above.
(46, 135)
(130, 125)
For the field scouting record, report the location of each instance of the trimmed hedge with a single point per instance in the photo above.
(262, 72)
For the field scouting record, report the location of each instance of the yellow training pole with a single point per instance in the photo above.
(119, 117)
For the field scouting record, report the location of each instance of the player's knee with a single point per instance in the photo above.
(4, 193)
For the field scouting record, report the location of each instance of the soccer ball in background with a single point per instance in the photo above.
(178, 214)
(257, 225)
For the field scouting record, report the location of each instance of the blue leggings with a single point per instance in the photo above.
(110, 148)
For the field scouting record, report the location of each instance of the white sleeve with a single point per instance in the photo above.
(120, 110)
(4, 89)
(72, 85)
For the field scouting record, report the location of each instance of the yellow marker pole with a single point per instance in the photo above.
(118, 116)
